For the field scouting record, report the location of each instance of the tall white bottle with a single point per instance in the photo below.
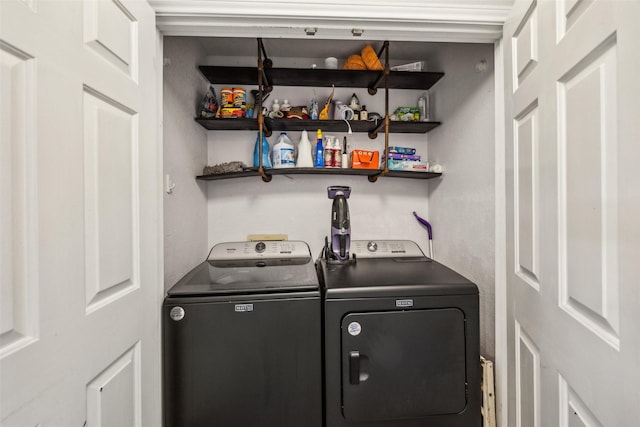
(304, 160)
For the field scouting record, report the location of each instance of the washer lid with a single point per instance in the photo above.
(249, 268)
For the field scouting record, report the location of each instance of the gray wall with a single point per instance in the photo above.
(185, 154)
(463, 202)
(297, 205)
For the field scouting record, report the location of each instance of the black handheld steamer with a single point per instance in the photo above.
(340, 224)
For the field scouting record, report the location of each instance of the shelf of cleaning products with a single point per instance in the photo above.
(319, 171)
(319, 77)
(312, 125)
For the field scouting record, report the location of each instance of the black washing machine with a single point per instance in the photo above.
(242, 339)
(401, 340)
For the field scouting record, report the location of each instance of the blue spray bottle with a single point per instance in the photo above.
(319, 161)
(266, 161)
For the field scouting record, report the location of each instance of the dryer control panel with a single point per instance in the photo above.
(385, 249)
(289, 249)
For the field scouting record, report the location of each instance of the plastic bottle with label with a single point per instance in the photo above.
(313, 108)
(266, 159)
(423, 106)
(337, 153)
(328, 151)
(319, 161)
(282, 152)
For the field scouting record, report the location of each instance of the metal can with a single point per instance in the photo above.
(226, 97)
(239, 97)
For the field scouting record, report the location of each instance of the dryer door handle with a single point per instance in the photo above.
(354, 367)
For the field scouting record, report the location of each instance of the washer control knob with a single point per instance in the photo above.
(372, 246)
(260, 247)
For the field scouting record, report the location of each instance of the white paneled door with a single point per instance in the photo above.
(79, 214)
(573, 209)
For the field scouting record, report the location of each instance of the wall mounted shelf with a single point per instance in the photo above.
(312, 125)
(320, 171)
(319, 77)
(265, 76)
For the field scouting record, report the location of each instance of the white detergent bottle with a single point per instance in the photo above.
(305, 160)
(282, 152)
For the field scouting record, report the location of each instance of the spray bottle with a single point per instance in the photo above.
(337, 153)
(319, 163)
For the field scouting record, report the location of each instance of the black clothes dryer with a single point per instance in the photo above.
(401, 339)
(242, 339)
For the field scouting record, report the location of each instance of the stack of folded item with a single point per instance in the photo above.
(405, 159)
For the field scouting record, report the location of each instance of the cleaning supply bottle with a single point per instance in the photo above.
(266, 161)
(319, 162)
(328, 151)
(337, 153)
(304, 152)
(283, 152)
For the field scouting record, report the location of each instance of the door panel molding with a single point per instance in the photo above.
(527, 380)
(114, 396)
(568, 13)
(111, 147)
(19, 314)
(111, 30)
(525, 46)
(588, 192)
(526, 193)
(573, 411)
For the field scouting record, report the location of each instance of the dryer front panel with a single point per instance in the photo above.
(403, 364)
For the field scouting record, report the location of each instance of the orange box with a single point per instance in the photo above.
(365, 159)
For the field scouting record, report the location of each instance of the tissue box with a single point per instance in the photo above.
(402, 150)
(365, 159)
(394, 156)
(413, 66)
(407, 165)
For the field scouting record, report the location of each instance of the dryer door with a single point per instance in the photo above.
(403, 364)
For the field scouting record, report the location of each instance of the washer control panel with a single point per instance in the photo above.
(289, 249)
(385, 249)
